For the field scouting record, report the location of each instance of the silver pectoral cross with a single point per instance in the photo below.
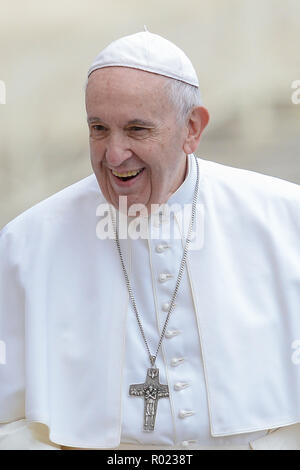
(151, 391)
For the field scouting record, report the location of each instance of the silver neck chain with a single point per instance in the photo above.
(179, 277)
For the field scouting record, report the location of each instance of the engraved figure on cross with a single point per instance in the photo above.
(150, 400)
(151, 391)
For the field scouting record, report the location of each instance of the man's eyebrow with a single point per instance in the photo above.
(140, 122)
(94, 119)
(133, 122)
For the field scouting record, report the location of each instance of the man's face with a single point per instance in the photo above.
(134, 128)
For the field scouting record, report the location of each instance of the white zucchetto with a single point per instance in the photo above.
(149, 52)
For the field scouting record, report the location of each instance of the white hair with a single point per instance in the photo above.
(184, 97)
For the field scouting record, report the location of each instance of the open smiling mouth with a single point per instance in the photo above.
(128, 175)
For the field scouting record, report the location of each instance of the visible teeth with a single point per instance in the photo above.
(125, 175)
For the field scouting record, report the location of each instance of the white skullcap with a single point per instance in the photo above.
(149, 52)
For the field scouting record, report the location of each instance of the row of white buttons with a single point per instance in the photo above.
(181, 386)
(170, 334)
(163, 277)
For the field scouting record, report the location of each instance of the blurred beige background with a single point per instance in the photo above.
(246, 53)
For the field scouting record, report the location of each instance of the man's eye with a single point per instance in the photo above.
(137, 128)
(98, 128)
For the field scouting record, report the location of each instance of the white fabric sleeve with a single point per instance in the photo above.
(285, 438)
(21, 435)
(15, 432)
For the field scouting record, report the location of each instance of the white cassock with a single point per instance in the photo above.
(231, 355)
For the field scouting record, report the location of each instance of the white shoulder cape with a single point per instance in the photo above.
(63, 305)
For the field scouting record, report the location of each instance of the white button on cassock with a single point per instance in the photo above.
(166, 306)
(172, 333)
(176, 361)
(187, 443)
(164, 277)
(181, 385)
(185, 413)
(161, 248)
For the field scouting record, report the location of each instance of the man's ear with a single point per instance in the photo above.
(197, 122)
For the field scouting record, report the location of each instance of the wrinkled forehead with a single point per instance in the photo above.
(119, 88)
(124, 77)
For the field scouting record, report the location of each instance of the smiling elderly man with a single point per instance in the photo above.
(147, 135)
(184, 341)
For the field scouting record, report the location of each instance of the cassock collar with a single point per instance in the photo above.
(184, 194)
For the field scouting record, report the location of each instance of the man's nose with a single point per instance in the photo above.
(117, 151)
